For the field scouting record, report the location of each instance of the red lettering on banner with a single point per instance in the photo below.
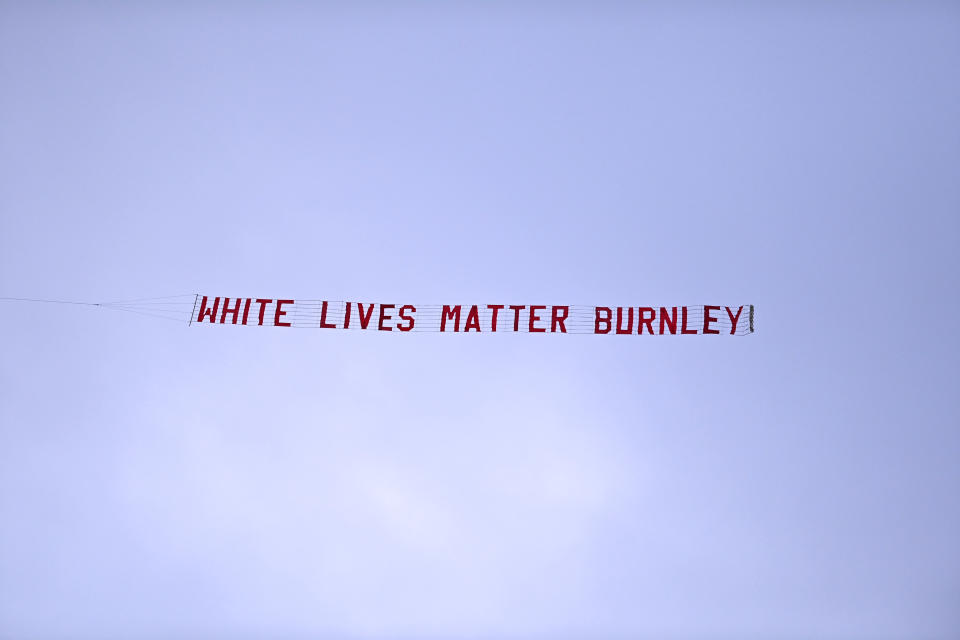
(534, 317)
(734, 319)
(280, 312)
(597, 319)
(323, 317)
(707, 319)
(620, 328)
(263, 305)
(683, 322)
(517, 308)
(692, 320)
(644, 320)
(473, 320)
(451, 313)
(224, 310)
(556, 319)
(210, 312)
(494, 309)
(407, 318)
(384, 317)
(670, 320)
(364, 320)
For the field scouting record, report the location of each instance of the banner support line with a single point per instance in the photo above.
(196, 297)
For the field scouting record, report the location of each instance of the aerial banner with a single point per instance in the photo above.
(475, 318)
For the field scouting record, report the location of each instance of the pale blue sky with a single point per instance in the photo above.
(164, 481)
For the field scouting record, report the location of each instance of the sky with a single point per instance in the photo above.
(160, 480)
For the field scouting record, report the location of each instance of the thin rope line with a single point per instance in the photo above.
(89, 304)
(181, 295)
(144, 313)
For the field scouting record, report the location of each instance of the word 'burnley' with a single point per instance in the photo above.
(489, 318)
